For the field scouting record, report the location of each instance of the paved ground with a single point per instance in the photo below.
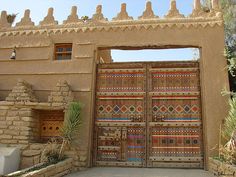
(141, 172)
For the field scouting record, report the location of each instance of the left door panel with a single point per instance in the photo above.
(120, 123)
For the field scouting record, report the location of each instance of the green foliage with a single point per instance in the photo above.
(206, 5)
(54, 151)
(230, 121)
(71, 125)
(229, 10)
(85, 18)
(230, 54)
(227, 152)
(229, 13)
(72, 122)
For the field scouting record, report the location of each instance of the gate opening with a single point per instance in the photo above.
(148, 55)
(148, 114)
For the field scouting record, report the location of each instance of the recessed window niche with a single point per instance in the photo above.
(50, 122)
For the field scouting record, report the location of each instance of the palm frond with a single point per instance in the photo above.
(230, 122)
(72, 122)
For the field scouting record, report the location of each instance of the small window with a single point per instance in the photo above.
(63, 51)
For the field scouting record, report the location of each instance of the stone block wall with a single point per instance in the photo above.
(61, 93)
(31, 154)
(17, 124)
(22, 92)
(20, 124)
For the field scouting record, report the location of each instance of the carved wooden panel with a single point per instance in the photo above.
(175, 80)
(115, 110)
(50, 123)
(175, 141)
(121, 80)
(176, 110)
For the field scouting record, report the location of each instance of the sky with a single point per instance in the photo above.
(135, 8)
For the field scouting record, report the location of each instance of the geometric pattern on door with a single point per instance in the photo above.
(149, 115)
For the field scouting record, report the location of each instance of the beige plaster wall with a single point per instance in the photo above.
(34, 63)
(104, 56)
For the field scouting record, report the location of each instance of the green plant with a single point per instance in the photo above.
(51, 151)
(71, 125)
(229, 129)
(85, 18)
(230, 54)
(227, 151)
(228, 8)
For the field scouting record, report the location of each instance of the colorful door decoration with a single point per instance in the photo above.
(148, 115)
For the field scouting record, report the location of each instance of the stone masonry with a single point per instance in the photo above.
(22, 92)
(61, 94)
(57, 170)
(19, 120)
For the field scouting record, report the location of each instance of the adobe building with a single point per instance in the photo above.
(143, 114)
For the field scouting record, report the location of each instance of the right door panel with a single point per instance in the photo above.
(174, 116)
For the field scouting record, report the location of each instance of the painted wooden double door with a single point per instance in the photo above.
(148, 115)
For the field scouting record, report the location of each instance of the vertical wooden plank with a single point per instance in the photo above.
(95, 145)
(148, 113)
(124, 144)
